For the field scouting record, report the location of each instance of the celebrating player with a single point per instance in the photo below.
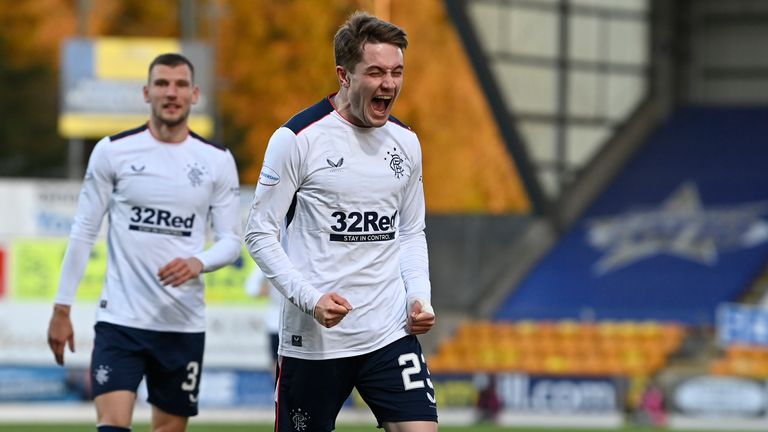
(341, 188)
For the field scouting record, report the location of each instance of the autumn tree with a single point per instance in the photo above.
(272, 64)
(29, 141)
(272, 58)
(280, 60)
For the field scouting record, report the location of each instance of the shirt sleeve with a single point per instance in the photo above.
(225, 218)
(92, 204)
(279, 181)
(414, 261)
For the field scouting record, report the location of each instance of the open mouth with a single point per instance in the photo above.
(380, 104)
(171, 107)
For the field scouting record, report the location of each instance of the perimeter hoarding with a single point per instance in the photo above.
(36, 266)
(236, 336)
(34, 231)
(102, 81)
(742, 324)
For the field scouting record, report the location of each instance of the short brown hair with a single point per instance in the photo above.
(360, 29)
(172, 60)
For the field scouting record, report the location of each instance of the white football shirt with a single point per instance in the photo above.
(340, 208)
(161, 198)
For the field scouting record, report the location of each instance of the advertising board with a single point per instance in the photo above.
(102, 81)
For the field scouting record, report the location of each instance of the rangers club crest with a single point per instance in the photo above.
(195, 174)
(300, 420)
(396, 163)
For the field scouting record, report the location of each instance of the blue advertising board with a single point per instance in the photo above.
(742, 324)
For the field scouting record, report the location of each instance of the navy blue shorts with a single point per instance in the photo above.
(171, 362)
(274, 344)
(393, 381)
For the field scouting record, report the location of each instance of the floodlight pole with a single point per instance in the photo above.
(188, 19)
(76, 146)
(75, 152)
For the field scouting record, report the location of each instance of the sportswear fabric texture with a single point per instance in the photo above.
(340, 208)
(161, 198)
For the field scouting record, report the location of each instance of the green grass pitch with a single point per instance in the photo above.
(261, 427)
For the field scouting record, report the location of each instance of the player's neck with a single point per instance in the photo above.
(340, 101)
(169, 134)
(342, 106)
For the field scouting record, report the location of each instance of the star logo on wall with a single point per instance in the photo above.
(681, 226)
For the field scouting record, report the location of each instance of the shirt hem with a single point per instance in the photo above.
(344, 353)
(153, 327)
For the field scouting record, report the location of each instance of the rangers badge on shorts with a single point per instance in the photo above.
(300, 419)
(101, 374)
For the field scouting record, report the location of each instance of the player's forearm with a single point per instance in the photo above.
(277, 267)
(224, 251)
(414, 266)
(226, 225)
(72, 269)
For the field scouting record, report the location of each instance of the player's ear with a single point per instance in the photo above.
(195, 94)
(343, 77)
(146, 93)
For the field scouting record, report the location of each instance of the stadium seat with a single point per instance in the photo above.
(633, 348)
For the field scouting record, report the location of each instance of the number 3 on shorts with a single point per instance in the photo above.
(414, 369)
(194, 371)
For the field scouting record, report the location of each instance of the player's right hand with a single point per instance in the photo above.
(179, 271)
(331, 309)
(60, 332)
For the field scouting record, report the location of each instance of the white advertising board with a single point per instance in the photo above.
(235, 336)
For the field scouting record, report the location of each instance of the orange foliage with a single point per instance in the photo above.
(273, 64)
(276, 58)
(280, 60)
(33, 29)
(133, 18)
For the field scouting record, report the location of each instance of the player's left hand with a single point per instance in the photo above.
(421, 317)
(180, 270)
